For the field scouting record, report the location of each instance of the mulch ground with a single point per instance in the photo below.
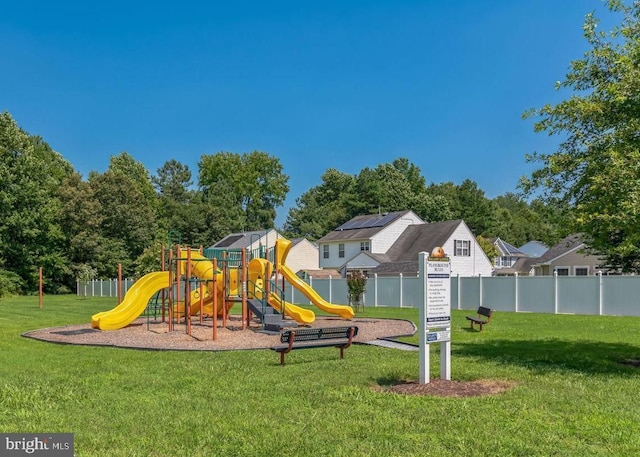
(154, 335)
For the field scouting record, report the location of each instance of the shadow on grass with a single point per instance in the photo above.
(556, 355)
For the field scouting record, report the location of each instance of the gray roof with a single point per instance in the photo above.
(507, 249)
(403, 254)
(522, 266)
(421, 238)
(374, 223)
(567, 244)
(240, 240)
(534, 248)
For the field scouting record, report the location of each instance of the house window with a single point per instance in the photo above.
(364, 245)
(562, 271)
(325, 251)
(462, 248)
(582, 271)
(341, 250)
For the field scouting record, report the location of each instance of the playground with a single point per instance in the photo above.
(155, 334)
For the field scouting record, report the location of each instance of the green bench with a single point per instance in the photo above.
(306, 338)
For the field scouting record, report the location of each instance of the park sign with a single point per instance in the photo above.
(438, 288)
(434, 271)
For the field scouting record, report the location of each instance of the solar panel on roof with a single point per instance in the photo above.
(385, 220)
(228, 241)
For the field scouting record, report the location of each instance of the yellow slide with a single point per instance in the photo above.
(202, 267)
(133, 303)
(259, 269)
(282, 249)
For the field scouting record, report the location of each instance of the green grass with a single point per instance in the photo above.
(572, 397)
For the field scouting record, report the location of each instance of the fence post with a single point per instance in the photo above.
(515, 276)
(400, 277)
(555, 291)
(375, 290)
(310, 285)
(600, 293)
(480, 288)
(330, 289)
(459, 291)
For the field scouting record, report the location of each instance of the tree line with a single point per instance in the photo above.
(51, 217)
(84, 228)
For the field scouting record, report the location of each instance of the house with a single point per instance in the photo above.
(511, 260)
(568, 258)
(389, 244)
(534, 248)
(258, 242)
(303, 255)
(509, 254)
(370, 235)
(459, 244)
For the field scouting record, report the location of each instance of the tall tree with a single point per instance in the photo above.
(31, 174)
(81, 221)
(323, 207)
(596, 167)
(128, 221)
(251, 185)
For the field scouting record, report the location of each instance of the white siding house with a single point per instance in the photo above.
(390, 243)
(363, 234)
(303, 255)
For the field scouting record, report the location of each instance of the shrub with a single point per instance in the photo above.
(357, 284)
(10, 283)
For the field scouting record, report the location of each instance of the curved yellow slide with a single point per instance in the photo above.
(134, 302)
(202, 267)
(282, 249)
(259, 269)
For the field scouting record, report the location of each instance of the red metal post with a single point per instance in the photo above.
(119, 283)
(40, 292)
(215, 300)
(187, 294)
(171, 275)
(243, 284)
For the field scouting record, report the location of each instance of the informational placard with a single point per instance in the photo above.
(435, 313)
(439, 336)
(438, 292)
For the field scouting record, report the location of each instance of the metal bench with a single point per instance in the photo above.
(483, 317)
(306, 338)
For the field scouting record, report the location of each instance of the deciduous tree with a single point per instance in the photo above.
(596, 167)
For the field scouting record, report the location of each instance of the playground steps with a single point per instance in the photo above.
(270, 318)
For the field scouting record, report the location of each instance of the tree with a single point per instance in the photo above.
(128, 225)
(596, 167)
(322, 208)
(250, 185)
(81, 219)
(31, 174)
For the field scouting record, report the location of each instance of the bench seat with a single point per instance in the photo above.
(307, 338)
(483, 317)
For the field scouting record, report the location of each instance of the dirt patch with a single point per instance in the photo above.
(444, 388)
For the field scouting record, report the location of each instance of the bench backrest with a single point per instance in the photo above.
(313, 334)
(483, 311)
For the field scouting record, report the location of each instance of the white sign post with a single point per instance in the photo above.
(435, 313)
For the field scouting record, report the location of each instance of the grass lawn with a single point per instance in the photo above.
(572, 397)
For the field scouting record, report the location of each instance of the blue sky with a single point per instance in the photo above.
(331, 84)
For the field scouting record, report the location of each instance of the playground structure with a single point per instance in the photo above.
(193, 285)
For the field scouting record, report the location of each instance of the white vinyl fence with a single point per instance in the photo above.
(102, 287)
(597, 295)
